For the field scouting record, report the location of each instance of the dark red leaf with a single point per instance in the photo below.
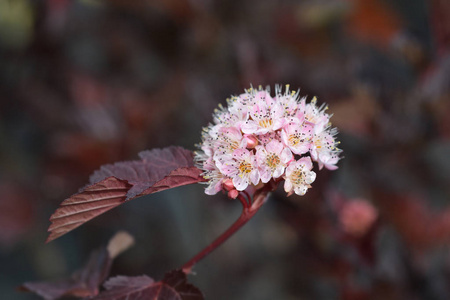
(82, 283)
(85, 281)
(177, 279)
(142, 174)
(174, 286)
(112, 185)
(16, 212)
(440, 24)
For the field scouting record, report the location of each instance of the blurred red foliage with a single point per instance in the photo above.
(17, 214)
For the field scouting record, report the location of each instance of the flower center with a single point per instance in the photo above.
(294, 139)
(273, 161)
(234, 145)
(311, 118)
(245, 167)
(265, 123)
(318, 144)
(297, 176)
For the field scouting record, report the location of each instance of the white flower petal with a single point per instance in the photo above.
(274, 147)
(254, 177)
(301, 190)
(249, 127)
(288, 185)
(214, 187)
(284, 137)
(278, 171)
(310, 177)
(265, 174)
(286, 156)
(240, 183)
(331, 167)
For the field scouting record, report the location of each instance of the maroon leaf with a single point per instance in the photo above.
(112, 185)
(82, 283)
(154, 165)
(85, 281)
(440, 23)
(174, 286)
(177, 279)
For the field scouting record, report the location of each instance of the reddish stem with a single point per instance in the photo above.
(248, 197)
(247, 213)
(244, 202)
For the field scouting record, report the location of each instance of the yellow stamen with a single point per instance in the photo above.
(318, 144)
(293, 140)
(297, 177)
(245, 167)
(273, 161)
(265, 123)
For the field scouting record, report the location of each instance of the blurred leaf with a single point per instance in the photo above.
(17, 215)
(419, 225)
(440, 21)
(356, 114)
(112, 185)
(16, 23)
(174, 286)
(319, 14)
(85, 281)
(372, 20)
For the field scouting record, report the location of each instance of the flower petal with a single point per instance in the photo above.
(240, 182)
(249, 127)
(254, 177)
(288, 185)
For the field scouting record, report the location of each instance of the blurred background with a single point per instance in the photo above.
(89, 82)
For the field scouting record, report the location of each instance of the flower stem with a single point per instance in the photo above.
(247, 213)
(244, 202)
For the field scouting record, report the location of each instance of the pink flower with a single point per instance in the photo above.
(272, 160)
(265, 139)
(324, 150)
(241, 167)
(215, 182)
(297, 137)
(227, 140)
(260, 138)
(227, 119)
(299, 176)
(247, 99)
(265, 116)
(292, 108)
(317, 116)
(211, 172)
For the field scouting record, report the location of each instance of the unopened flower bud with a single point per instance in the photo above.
(228, 185)
(252, 142)
(233, 194)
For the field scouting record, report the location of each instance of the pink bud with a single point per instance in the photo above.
(252, 142)
(228, 184)
(233, 194)
(357, 216)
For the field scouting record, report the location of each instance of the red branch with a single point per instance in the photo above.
(248, 211)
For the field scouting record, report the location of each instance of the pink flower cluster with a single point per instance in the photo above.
(259, 138)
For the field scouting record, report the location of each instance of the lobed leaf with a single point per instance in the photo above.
(114, 184)
(85, 281)
(174, 286)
